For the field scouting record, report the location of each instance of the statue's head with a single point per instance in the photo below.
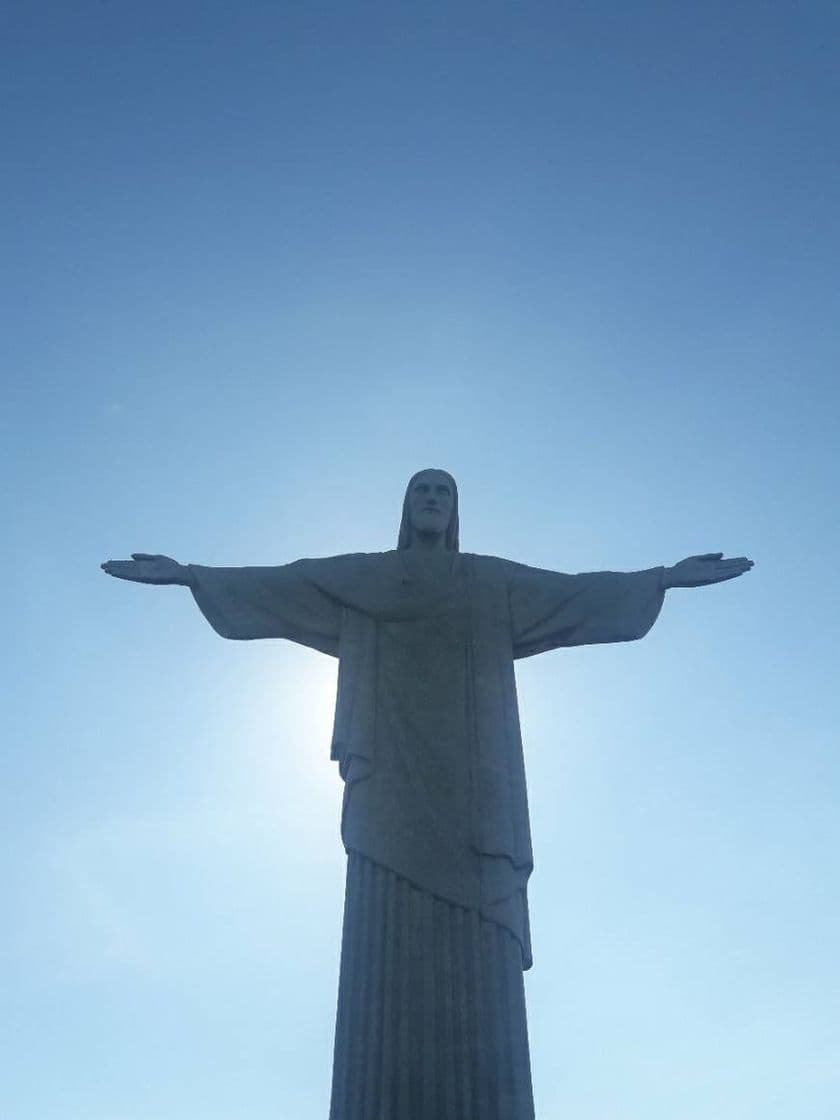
(430, 510)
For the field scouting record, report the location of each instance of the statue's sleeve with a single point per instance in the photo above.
(293, 601)
(552, 609)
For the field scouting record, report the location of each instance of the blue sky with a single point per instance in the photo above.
(268, 260)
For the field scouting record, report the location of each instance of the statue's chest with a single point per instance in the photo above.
(422, 689)
(428, 600)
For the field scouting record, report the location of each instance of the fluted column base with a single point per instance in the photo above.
(431, 1008)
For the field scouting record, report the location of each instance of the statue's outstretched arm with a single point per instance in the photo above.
(278, 601)
(147, 567)
(709, 567)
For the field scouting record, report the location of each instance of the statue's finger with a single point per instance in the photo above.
(709, 556)
(125, 569)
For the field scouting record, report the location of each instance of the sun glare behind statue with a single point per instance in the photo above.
(290, 733)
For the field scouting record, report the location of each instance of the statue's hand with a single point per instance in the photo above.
(146, 567)
(710, 567)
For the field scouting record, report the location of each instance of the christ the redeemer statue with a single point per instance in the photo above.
(431, 1008)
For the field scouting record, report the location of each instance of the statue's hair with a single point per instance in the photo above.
(451, 539)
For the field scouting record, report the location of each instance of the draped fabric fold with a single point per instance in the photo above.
(354, 727)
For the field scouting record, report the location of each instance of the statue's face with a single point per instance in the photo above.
(430, 502)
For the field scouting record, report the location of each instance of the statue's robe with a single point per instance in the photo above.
(427, 740)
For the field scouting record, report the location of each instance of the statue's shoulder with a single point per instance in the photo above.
(487, 561)
(371, 566)
(348, 559)
(348, 569)
(489, 567)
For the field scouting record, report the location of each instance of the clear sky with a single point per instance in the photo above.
(268, 259)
